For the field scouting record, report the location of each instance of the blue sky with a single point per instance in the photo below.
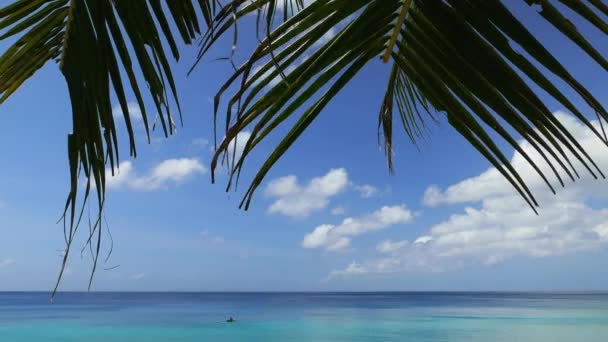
(328, 217)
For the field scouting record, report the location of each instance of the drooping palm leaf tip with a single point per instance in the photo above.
(444, 57)
(454, 57)
(96, 44)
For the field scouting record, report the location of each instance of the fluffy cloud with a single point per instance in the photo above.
(366, 190)
(7, 262)
(352, 269)
(168, 172)
(296, 200)
(389, 246)
(488, 184)
(332, 237)
(491, 184)
(502, 225)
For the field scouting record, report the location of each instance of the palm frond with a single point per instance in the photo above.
(453, 57)
(359, 41)
(95, 44)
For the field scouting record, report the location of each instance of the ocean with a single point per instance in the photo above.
(393, 316)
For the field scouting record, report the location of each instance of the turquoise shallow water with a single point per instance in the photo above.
(109, 317)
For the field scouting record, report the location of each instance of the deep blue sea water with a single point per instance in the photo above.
(418, 316)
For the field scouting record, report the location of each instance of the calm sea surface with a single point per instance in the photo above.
(416, 316)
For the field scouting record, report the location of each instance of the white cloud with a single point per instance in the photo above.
(283, 186)
(503, 225)
(137, 276)
(389, 246)
(168, 172)
(338, 237)
(352, 269)
(491, 184)
(423, 239)
(338, 211)
(366, 190)
(293, 199)
(7, 262)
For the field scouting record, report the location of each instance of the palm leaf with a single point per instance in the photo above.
(452, 57)
(95, 44)
(449, 58)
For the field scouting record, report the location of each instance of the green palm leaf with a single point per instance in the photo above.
(98, 32)
(451, 58)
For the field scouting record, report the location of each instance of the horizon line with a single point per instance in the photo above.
(553, 291)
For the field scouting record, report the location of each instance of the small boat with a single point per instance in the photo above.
(230, 320)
